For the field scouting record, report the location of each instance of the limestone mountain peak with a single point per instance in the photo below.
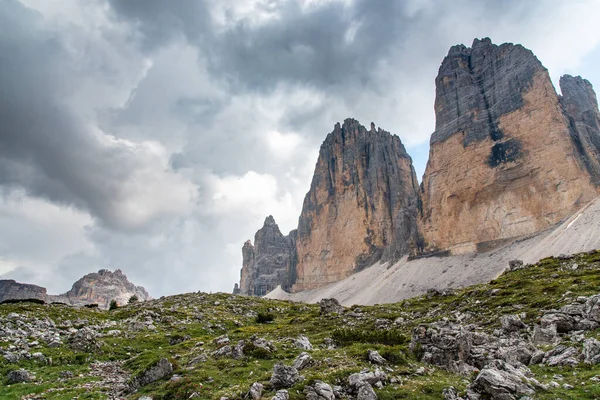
(97, 287)
(509, 158)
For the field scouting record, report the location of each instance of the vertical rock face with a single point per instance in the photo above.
(361, 205)
(504, 159)
(269, 263)
(12, 290)
(581, 106)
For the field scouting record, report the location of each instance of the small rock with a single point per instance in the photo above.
(160, 370)
(303, 343)
(302, 361)
(450, 394)
(515, 265)
(544, 336)
(256, 391)
(18, 376)
(375, 357)
(566, 386)
(420, 371)
(281, 395)
(284, 376)
(324, 391)
(512, 323)
(66, 374)
(221, 341)
(330, 306)
(591, 351)
(561, 355)
(366, 392)
(382, 323)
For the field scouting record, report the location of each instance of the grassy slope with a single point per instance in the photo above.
(549, 284)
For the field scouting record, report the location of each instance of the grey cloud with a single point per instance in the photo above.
(46, 144)
(210, 97)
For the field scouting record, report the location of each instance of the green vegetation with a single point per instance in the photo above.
(113, 305)
(183, 328)
(264, 317)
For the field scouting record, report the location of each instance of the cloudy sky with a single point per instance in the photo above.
(155, 136)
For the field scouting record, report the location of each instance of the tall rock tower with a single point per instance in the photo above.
(581, 106)
(508, 157)
(361, 206)
(269, 263)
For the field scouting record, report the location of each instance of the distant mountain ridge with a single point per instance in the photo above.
(95, 288)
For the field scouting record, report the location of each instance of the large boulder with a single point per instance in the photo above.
(303, 343)
(561, 355)
(591, 351)
(256, 390)
(302, 361)
(330, 306)
(358, 379)
(281, 395)
(18, 376)
(157, 371)
(366, 392)
(444, 344)
(284, 376)
(512, 323)
(501, 381)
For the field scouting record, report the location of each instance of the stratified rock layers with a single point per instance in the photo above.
(269, 263)
(504, 158)
(361, 205)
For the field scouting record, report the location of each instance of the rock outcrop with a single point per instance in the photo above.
(12, 290)
(361, 206)
(506, 159)
(96, 288)
(269, 263)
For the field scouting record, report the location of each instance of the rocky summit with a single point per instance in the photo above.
(99, 288)
(361, 208)
(270, 262)
(534, 332)
(509, 158)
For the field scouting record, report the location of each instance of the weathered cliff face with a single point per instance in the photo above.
(361, 205)
(580, 103)
(101, 287)
(12, 290)
(504, 160)
(269, 263)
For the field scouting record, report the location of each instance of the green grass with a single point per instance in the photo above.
(203, 317)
